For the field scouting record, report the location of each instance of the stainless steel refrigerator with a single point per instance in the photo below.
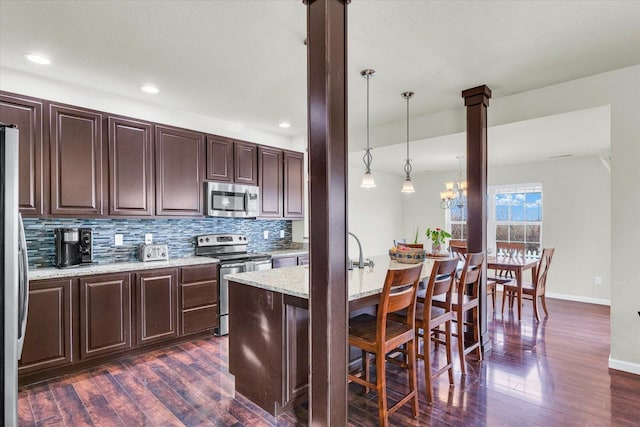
(13, 273)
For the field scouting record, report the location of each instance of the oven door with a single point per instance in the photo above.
(231, 200)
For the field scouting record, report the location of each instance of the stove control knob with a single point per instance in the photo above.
(207, 239)
(163, 255)
(148, 255)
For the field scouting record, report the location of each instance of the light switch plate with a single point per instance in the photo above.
(282, 234)
(148, 238)
(119, 241)
(266, 234)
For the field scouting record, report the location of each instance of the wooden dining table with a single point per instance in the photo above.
(518, 265)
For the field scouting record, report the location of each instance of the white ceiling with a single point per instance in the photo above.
(245, 61)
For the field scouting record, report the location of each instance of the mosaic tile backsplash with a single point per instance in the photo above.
(179, 234)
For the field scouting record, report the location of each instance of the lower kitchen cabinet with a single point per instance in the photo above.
(105, 314)
(48, 342)
(290, 260)
(156, 306)
(198, 298)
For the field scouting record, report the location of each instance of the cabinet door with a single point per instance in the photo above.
(179, 171)
(105, 314)
(76, 161)
(156, 306)
(293, 185)
(47, 341)
(245, 163)
(270, 167)
(296, 351)
(26, 113)
(130, 167)
(219, 159)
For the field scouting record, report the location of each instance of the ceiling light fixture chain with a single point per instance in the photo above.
(407, 186)
(367, 158)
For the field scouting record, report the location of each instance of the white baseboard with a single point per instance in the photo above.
(621, 365)
(579, 298)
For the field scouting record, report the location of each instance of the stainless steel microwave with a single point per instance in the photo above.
(232, 200)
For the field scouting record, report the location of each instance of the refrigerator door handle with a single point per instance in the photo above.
(23, 283)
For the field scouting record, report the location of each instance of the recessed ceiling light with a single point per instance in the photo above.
(38, 59)
(284, 125)
(149, 89)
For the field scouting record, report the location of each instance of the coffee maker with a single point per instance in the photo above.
(74, 246)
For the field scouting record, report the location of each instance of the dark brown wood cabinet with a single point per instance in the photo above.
(198, 298)
(293, 185)
(131, 183)
(219, 158)
(76, 161)
(105, 314)
(245, 165)
(156, 305)
(270, 171)
(179, 171)
(26, 114)
(232, 161)
(48, 338)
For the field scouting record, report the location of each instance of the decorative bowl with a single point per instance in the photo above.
(409, 256)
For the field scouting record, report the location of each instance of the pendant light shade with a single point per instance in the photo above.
(407, 186)
(367, 179)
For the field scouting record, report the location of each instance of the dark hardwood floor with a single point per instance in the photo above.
(550, 374)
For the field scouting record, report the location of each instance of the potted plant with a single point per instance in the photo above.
(437, 237)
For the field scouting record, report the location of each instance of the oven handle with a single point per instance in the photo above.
(236, 265)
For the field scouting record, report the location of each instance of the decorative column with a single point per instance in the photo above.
(327, 121)
(477, 100)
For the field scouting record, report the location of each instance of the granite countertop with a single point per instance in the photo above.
(87, 270)
(295, 280)
(288, 252)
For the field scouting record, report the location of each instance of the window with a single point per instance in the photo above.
(514, 215)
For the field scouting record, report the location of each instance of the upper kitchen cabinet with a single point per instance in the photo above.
(245, 163)
(26, 113)
(219, 158)
(231, 161)
(76, 161)
(270, 167)
(130, 167)
(293, 185)
(179, 171)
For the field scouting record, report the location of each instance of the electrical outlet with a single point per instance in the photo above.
(597, 280)
(266, 234)
(119, 241)
(282, 234)
(148, 238)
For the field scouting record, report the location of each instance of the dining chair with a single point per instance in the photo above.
(509, 250)
(463, 300)
(534, 289)
(430, 318)
(380, 334)
(412, 245)
(459, 252)
(396, 241)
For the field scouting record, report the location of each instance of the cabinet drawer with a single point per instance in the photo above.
(199, 273)
(285, 261)
(199, 319)
(197, 294)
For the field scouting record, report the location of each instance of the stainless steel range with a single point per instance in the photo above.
(231, 250)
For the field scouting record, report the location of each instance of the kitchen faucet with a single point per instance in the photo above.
(361, 263)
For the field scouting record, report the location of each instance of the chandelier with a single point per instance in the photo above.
(455, 192)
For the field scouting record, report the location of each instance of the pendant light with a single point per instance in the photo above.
(407, 186)
(367, 179)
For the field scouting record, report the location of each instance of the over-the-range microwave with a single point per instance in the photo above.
(232, 200)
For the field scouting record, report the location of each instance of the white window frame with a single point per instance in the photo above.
(491, 211)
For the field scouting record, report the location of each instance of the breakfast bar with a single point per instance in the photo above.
(269, 328)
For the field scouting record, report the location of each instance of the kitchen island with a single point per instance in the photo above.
(269, 328)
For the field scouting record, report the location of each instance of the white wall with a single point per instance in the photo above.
(28, 84)
(375, 214)
(576, 218)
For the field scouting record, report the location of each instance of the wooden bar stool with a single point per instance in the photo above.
(466, 299)
(378, 335)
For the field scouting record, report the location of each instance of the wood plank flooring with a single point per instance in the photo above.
(548, 374)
